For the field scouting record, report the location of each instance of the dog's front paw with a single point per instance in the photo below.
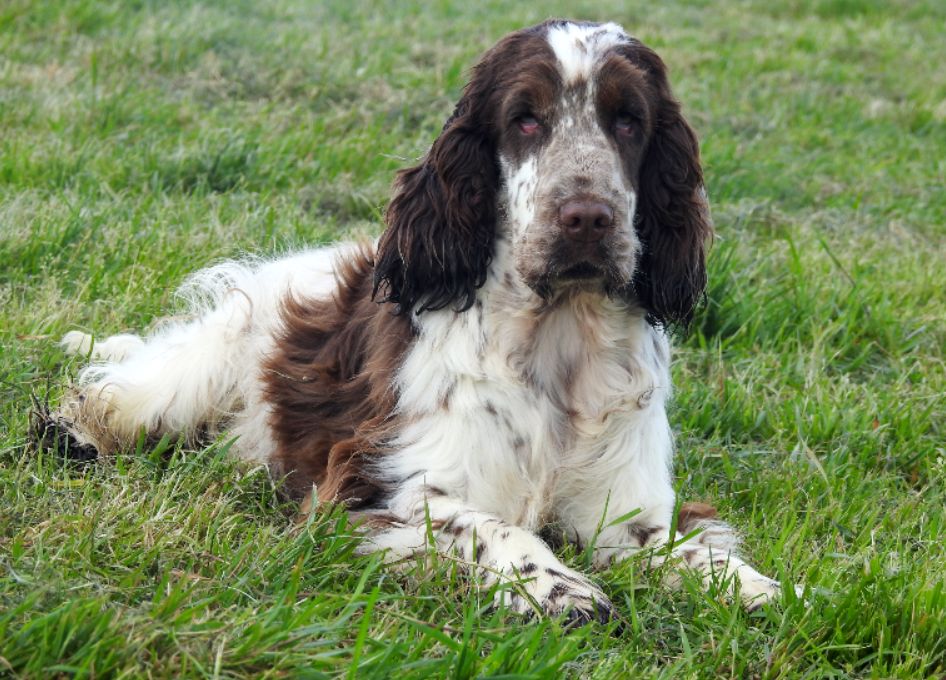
(557, 591)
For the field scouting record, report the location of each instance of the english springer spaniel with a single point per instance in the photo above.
(496, 362)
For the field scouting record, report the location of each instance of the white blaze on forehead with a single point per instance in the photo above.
(579, 47)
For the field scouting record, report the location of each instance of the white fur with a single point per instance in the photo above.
(579, 47)
(115, 348)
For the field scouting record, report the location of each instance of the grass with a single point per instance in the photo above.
(141, 140)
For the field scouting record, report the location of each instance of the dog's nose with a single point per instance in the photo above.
(585, 221)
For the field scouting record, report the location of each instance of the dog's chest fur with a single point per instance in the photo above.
(509, 401)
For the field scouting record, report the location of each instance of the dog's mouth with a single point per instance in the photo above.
(581, 271)
(567, 269)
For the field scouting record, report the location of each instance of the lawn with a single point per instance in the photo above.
(140, 140)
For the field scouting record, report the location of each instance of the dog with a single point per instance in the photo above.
(497, 361)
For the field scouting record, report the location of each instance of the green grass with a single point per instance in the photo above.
(141, 140)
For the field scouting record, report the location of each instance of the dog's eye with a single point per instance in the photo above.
(625, 124)
(528, 124)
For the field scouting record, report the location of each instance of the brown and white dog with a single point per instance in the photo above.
(498, 361)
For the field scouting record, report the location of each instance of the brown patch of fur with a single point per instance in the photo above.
(329, 381)
(691, 513)
(375, 521)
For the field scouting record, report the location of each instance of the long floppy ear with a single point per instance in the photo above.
(442, 219)
(673, 215)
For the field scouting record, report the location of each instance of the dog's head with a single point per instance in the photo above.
(568, 143)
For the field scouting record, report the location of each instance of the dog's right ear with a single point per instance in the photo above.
(441, 222)
(442, 219)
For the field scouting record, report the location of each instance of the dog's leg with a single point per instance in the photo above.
(190, 377)
(496, 550)
(621, 508)
(177, 382)
(184, 380)
(702, 544)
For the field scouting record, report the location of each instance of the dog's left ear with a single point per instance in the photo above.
(442, 218)
(673, 215)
